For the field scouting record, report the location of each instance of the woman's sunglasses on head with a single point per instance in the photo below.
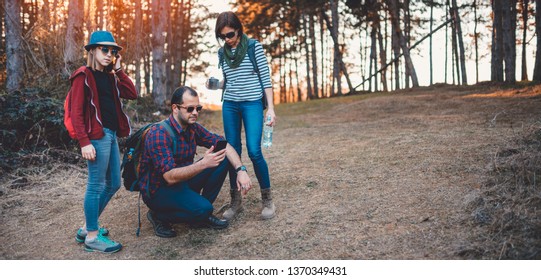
(191, 108)
(105, 50)
(228, 35)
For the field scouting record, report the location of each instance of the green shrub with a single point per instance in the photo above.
(31, 120)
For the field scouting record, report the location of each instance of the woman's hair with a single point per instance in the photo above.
(91, 59)
(228, 19)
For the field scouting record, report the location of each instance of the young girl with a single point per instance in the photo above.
(97, 118)
(243, 105)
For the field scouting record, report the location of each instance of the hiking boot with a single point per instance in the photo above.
(212, 222)
(102, 244)
(269, 210)
(235, 206)
(161, 228)
(81, 234)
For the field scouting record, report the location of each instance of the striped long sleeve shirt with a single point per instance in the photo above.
(242, 82)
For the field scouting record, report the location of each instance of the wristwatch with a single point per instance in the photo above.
(241, 168)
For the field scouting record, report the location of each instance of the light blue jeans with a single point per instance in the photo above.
(103, 178)
(250, 113)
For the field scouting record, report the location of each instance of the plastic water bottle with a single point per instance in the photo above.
(267, 133)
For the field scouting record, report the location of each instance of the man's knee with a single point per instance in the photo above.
(201, 213)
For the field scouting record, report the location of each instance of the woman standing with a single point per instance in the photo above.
(245, 83)
(97, 119)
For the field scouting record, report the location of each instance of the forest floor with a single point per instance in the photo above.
(398, 175)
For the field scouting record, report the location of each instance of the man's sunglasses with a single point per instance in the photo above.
(191, 108)
(105, 50)
(228, 35)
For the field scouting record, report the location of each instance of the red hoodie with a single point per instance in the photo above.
(85, 105)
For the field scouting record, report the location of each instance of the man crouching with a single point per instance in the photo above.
(173, 186)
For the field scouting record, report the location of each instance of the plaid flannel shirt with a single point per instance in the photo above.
(158, 156)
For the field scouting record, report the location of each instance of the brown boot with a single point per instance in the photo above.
(235, 206)
(269, 209)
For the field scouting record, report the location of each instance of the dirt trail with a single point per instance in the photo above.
(360, 177)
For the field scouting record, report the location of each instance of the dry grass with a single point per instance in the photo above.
(507, 212)
(378, 176)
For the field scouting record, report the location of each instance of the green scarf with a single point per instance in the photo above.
(234, 59)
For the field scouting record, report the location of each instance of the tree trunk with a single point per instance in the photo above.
(45, 14)
(373, 60)
(159, 20)
(454, 48)
(383, 53)
(396, 51)
(283, 85)
(323, 47)
(146, 68)
(292, 88)
(537, 66)
(497, 42)
(383, 60)
(406, 36)
(461, 60)
(169, 57)
(309, 92)
(99, 18)
(90, 14)
(184, 41)
(364, 52)
(54, 16)
(184, 72)
(74, 36)
(299, 91)
(314, 56)
(177, 46)
(2, 39)
(446, 41)
(14, 50)
(509, 39)
(138, 43)
(476, 41)
(403, 44)
(336, 57)
(337, 52)
(524, 75)
(430, 43)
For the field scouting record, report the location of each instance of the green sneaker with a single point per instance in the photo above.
(81, 234)
(102, 244)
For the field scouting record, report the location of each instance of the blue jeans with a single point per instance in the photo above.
(189, 201)
(250, 113)
(103, 178)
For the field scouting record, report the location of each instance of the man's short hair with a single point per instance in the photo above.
(179, 93)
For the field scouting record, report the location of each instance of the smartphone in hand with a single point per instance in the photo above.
(220, 145)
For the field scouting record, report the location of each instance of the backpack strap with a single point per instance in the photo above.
(167, 126)
(169, 129)
(251, 55)
(138, 231)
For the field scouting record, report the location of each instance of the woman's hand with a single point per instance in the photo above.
(88, 152)
(117, 63)
(270, 112)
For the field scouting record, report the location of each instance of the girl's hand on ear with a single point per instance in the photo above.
(118, 59)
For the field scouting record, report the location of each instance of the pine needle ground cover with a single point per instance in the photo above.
(443, 172)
